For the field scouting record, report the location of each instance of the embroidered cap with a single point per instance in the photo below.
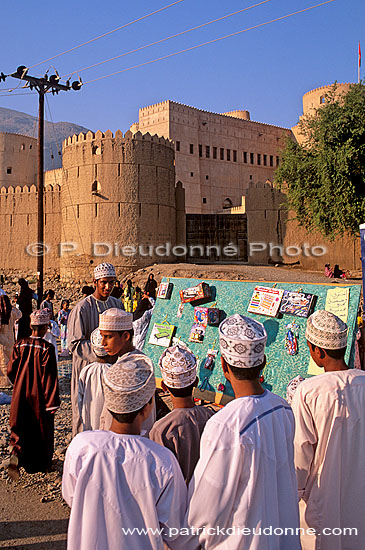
(40, 317)
(326, 330)
(129, 384)
(96, 344)
(242, 341)
(115, 319)
(104, 270)
(178, 367)
(292, 388)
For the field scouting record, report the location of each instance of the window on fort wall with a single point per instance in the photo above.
(228, 154)
(245, 157)
(214, 152)
(178, 146)
(200, 150)
(277, 161)
(221, 153)
(22, 147)
(207, 151)
(258, 159)
(204, 200)
(252, 158)
(191, 174)
(206, 177)
(234, 156)
(9, 170)
(265, 160)
(191, 148)
(271, 160)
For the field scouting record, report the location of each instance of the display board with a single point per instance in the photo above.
(234, 297)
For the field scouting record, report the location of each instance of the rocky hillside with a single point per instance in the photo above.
(17, 122)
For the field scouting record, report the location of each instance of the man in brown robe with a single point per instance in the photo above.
(32, 370)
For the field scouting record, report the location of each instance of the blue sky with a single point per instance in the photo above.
(265, 70)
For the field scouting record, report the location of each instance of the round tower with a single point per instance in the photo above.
(117, 201)
(315, 98)
(18, 160)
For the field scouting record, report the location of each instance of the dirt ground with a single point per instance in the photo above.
(28, 524)
(33, 515)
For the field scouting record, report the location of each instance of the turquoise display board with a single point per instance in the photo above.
(234, 297)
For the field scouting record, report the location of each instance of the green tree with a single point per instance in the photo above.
(324, 176)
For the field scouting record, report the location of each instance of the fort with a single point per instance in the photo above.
(179, 176)
(110, 189)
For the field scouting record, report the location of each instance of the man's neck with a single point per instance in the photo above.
(126, 429)
(334, 366)
(244, 388)
(128, 350)
(182, 402)
(100, 298)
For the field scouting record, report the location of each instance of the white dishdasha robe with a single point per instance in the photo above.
(329, 446)
(117, 482)
(245, 477)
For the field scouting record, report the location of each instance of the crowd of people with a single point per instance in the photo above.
(259, 474)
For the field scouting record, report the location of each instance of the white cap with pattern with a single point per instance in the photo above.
(96, 344)
(326, 330)
(178, 367)
(116, 320)
(129, 384)
(104, 270)
(40, 317)
(242, 341)
(292, 388)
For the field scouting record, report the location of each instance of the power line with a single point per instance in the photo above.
(106, 34)
(165, 39)
(209, 42)
(12, 95)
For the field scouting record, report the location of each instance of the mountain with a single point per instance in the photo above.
(17, 122)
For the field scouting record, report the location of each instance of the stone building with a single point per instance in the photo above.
(115, 199)
(18, 160)
(314, 99)
(217, 155)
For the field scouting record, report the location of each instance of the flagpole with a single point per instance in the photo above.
(359, 65)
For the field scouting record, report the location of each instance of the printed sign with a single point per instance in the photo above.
(299, 304)
(161, 334)
(265, 301)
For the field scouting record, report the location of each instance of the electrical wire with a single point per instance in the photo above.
(12, 95)
(106, 34)
(209, 42)
(165, 39)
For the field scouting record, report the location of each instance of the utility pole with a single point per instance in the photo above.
(42, 86)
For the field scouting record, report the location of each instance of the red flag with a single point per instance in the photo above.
(359, 55)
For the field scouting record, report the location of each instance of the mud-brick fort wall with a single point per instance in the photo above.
(18, 160)
(18, 221)
(117, 192)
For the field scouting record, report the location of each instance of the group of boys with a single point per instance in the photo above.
(223, 480)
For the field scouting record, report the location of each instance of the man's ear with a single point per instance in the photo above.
(225, 369)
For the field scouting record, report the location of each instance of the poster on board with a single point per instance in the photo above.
(265, 301)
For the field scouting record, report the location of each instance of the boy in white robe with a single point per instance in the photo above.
(91, 393)
(116, 329)
(118, 482)
(83, 319)
(329, 443)
(244, 487)
(181, 429)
